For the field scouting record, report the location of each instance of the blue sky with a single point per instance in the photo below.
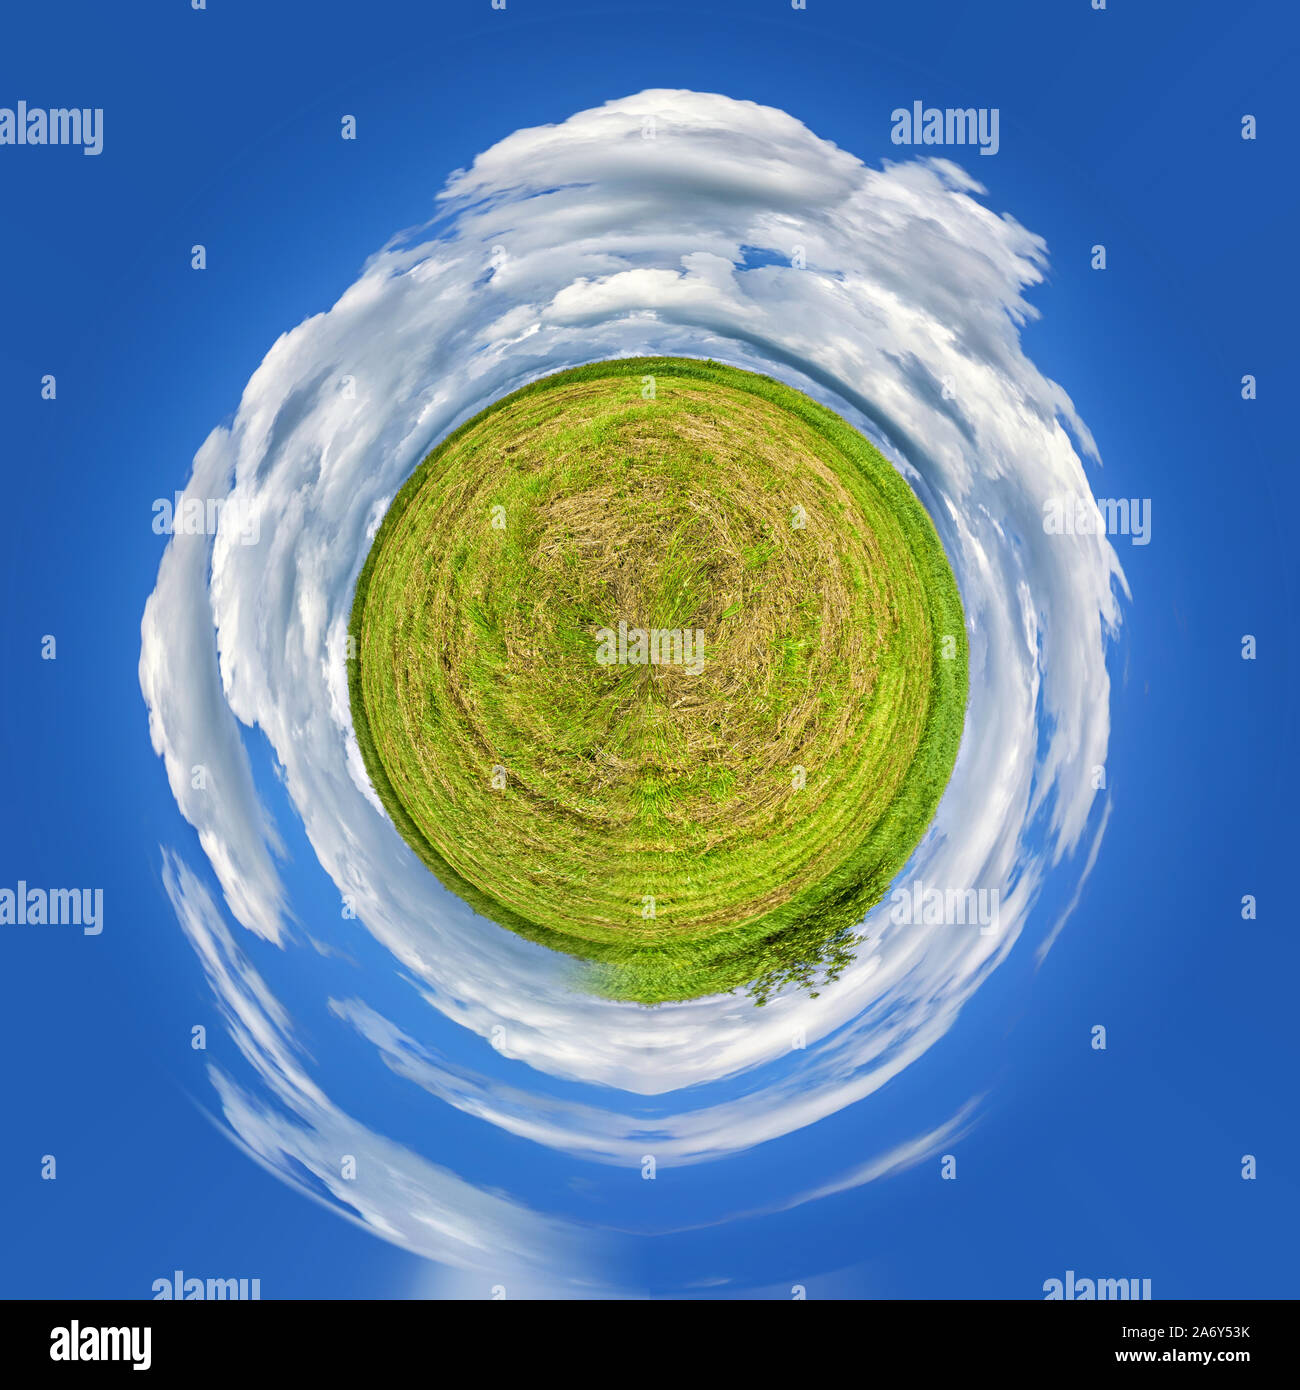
(221, 127)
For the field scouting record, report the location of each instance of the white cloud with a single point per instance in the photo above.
(581, 241)
(419, 1205)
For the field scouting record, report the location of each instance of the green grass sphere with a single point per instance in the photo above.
(661, 664)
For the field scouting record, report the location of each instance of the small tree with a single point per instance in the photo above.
(807, 959)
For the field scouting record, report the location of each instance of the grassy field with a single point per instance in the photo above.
(721, 819)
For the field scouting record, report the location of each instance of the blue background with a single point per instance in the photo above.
(1121, 127)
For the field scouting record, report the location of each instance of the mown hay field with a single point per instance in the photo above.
(661, 664)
